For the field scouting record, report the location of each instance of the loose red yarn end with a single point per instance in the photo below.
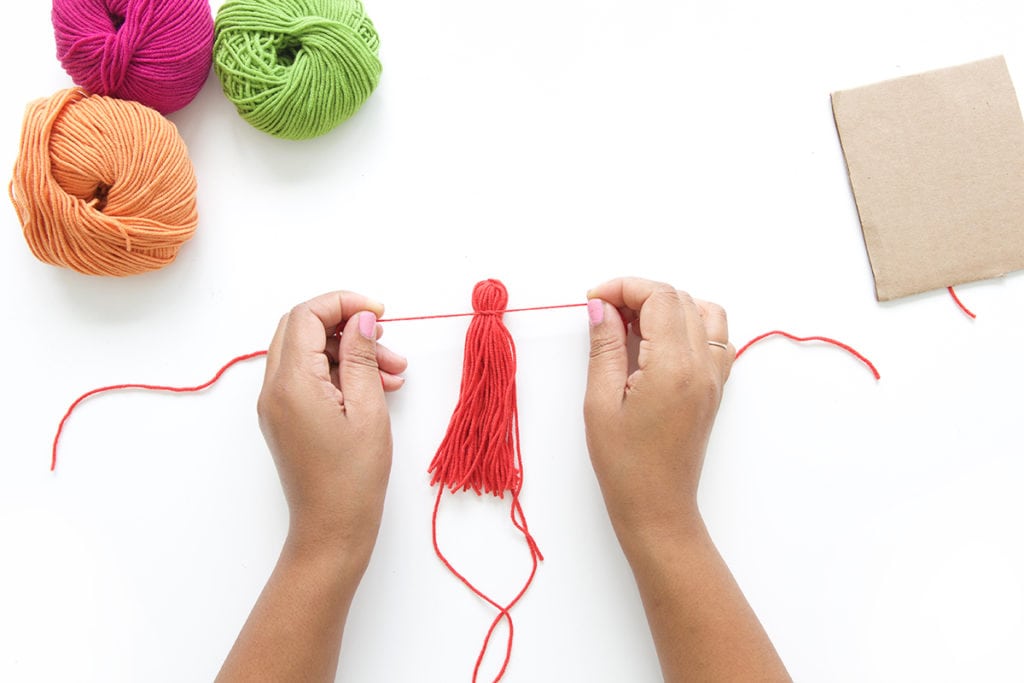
(828, 340)
(147, 387)
(480, 450)
(968, 312)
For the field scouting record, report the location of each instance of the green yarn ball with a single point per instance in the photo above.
(296, 68)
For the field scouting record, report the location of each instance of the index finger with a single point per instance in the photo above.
(659, 305)
(311, 323)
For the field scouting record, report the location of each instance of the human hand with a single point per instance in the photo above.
(324, 417)
(647, 431)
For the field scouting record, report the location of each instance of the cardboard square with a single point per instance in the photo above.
(936, 163)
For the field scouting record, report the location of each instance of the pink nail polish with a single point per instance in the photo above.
(368, 325)
(595, 309)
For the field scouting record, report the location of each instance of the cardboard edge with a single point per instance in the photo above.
(927, 72)
(834, 100)
(1013, 88)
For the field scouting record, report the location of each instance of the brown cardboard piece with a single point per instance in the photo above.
(936, 163)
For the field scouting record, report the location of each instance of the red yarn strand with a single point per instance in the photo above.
(465, 484)
(466, 315)
(828, 340)
(960, 304)
(480, 450)
(148, 387)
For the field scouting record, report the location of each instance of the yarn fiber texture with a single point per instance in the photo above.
(296, 68)
(156, 52)
(101, 185)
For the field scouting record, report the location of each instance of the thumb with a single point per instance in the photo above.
(360, 376)
(606, 376)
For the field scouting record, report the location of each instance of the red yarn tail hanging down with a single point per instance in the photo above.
(960, 304)
(481, 451)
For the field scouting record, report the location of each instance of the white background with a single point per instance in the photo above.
(875, 527)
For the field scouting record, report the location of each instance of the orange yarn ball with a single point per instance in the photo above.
(102, 186)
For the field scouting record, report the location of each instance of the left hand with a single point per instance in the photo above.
(324, 417)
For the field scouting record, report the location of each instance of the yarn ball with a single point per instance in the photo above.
(156, 52)
(101, 185)
(296, 68)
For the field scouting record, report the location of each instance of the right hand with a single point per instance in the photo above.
(647, 431)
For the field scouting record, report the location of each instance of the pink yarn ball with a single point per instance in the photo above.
(156, 52)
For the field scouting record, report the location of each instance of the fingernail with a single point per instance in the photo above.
(595, 309)
(368, 325)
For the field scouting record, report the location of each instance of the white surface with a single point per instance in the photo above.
(875, 527)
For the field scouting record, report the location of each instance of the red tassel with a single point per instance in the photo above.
(480, 450)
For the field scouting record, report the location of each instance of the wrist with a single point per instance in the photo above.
(325, 545)
(653, 538)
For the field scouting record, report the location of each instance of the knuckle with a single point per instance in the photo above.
(378, 416)
(713, 388)
(601, 347)
(267, 407)
(657, 285)
(298, 309)
(272, 395)
(262, 407)
(707, 388)
(684, 297)
(680, 379)
(727, 367)
(360, 357)
(716, 311)
(700, 381)
(665, 291)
